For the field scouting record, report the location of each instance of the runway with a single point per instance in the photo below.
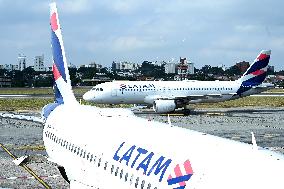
(24, 137)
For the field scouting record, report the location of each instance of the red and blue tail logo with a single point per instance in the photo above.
(62, 87)
(58, 65)
(181, 175)
(256, 73)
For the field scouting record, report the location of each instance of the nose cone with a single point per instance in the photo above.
(88, 96)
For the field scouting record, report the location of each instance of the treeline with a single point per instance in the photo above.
(30, 78)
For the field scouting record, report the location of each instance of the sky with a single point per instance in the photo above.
(206, 32)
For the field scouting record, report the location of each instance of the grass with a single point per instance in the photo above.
(40, 91)
(35, 104)
(250, 101)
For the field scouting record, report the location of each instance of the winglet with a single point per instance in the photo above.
(63, 88)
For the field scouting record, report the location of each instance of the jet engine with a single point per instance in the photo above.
(164, 106)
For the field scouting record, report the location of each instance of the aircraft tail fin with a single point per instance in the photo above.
(257, 72)
(62, 88)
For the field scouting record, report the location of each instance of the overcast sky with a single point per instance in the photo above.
(205, 31)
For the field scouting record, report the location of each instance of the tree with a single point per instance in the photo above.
(150, 70)
(74, 76)
(233, 71)
(87, 73)
(17, 78)
(28, 76)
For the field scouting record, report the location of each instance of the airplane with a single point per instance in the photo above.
(99, 148)
(166, 96)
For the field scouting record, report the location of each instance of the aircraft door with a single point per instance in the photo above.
(114, 91)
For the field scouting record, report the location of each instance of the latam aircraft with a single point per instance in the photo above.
(166, 96)
(104, 149)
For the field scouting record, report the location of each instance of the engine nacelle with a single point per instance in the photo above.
(164, 106)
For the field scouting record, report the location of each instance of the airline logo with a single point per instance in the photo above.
(141, 159)
(58, 66)
(182, 175)
(256, 73)
(146, 86)
(62, 85)
(122, 86)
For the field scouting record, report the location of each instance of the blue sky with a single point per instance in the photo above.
(205, 31)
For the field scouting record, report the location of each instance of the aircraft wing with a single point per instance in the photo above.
(194, 97)
(22, 117)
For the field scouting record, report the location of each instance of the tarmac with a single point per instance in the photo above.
(24, 137)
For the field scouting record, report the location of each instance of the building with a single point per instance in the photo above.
(9, 67)
(22, 60)
(170, 68)
(39, 64)
(185, 68)
(5, 82)
(243, 66)
(190, 68)
(98, 67)
(124, 66)
(270, 68)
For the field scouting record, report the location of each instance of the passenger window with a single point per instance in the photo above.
(105, 165)
(136, 183)
(81, 154)
(131, 179)
(116, 171)
(121, 173)
(126, 177)
(99, 163)
(112, 168)
(142, 184)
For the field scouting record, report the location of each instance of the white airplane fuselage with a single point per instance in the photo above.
(106, 150)
(145, 92)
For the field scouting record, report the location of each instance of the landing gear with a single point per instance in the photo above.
(187, 110)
